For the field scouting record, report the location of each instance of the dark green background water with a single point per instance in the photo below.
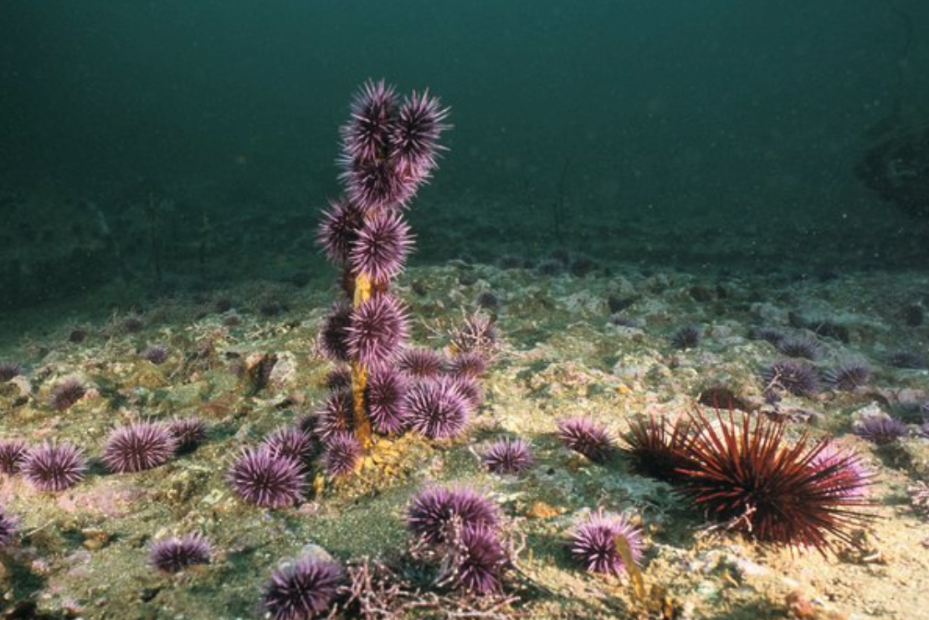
(700, 134)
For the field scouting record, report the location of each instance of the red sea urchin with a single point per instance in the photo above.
(54, 467)
(747, 475)
(301, 589)
(172, 555)
(138, 446)
(593, 542)
(269, 481)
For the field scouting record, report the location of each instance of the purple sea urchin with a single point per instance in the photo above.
(798, 378)
(847, 376)
(172, 555)
(339, 230)
(335, 415)
(435, 511)
(586, 437)
(436, 408)
(471, 365)
(156, 353)
(342, 455)
(302, 589)
(881, 430)
(269, 481)
(373, 117)
(339, 378)
(479, 560)
(290, 442)
(381, 247)
(911, 360)
(12, 455)
(333, 337)
(378, 329)
(188, 432)
(385, 397)
(686, 337)
(66, 393)
(593, 542)
(418, 362)
(799, 346)
(747, 475)
(137, 447)
(415, 134)
(508, 456)
(54, 467)
(8, 370)
(849, 475)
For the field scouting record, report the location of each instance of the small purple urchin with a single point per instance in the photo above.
(847, 376)
(339, 229)
(342, 455)
(156, 353)
(686, 337)
(586, 437)
(881, 429)
(798, 378)
(435, 512)
(7, 529)
(508, 456)
(172, 555)
(381, 247)
(415, 136)
(479, 560)
(8, 370)
(188, 432)
(377, 185)
(291, 442)
(436, 408)
(301, 589)
(269, 481)
(335, 416)
(12, 455)
(469, 389)
(66, 393)
(138, 446)
(54, 467)
(333, 337)
(385, 398)
(593, 542)
(378, 329)
(418, 362)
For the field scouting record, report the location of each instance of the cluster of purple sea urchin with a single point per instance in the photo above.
(462, 527)
(389, 148)
(593, 542)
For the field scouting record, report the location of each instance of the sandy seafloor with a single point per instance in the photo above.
(82, 552)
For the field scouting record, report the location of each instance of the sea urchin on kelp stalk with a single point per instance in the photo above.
(389, 148)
